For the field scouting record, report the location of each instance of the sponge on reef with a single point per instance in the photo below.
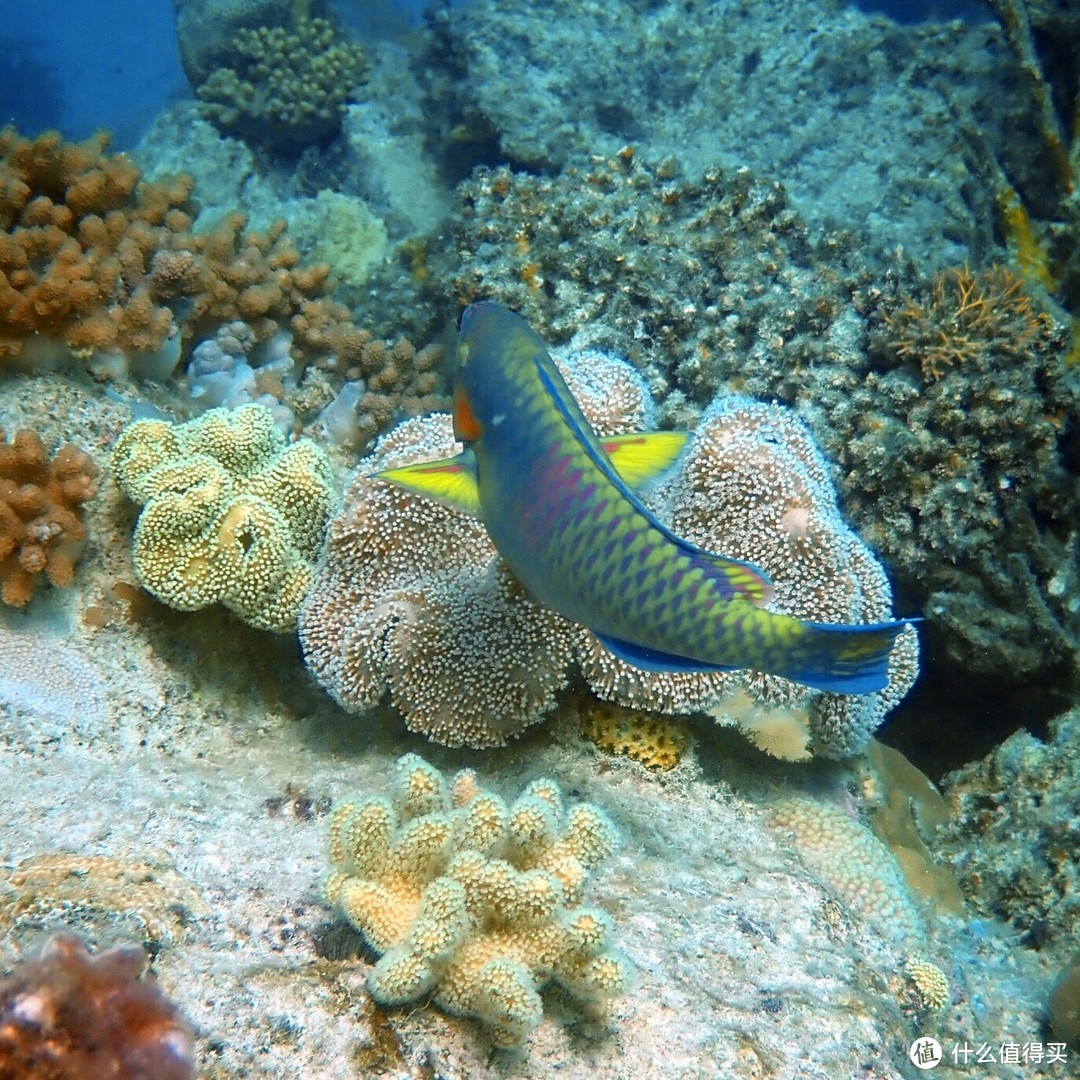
(472, 901)
(230, 514)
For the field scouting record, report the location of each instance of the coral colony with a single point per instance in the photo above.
(475, 902)
(222, 576)
(41, 521)
(68, 1015)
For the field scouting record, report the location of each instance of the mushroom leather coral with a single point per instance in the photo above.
(41, 526)
(68, 1015)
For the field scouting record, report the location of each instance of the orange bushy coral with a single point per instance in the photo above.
(95, 260)
(967, 312)
(41, 526)
(78, 231)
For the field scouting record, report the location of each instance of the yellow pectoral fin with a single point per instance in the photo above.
(642, 456)
(450, 481)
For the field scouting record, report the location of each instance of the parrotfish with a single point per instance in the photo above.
(560, 506)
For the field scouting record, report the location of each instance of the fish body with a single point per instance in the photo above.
(560, 512)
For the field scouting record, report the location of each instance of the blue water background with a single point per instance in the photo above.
(85, 64)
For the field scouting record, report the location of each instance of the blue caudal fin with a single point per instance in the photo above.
(841, 658)
(845, 659)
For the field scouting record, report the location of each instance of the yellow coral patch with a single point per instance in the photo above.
(931, 982)
(654, 740)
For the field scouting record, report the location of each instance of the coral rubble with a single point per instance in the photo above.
(959, 469)
(475, 902)
(147, 892)
(551, 84)
(68, 1015)
(41, 520)
(230, 514)
(1013, 833)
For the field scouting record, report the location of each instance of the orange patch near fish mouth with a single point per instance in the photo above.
(466, 426)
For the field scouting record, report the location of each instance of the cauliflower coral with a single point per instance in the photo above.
(230, 514)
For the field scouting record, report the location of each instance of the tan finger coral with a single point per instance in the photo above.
(472, 901)
(230, 514)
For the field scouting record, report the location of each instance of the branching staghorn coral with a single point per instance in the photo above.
(411, 597)
(230, 513)
(41, 526)
(475, 902)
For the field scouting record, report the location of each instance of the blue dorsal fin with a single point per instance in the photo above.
(450, 481)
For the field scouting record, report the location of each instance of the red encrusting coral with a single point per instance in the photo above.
(41, 525)
(68, 1015)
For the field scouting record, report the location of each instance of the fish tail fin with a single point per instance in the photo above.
(845, 659)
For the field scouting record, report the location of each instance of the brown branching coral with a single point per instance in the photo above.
(967, 312)
(78, 234)
(96, 262)
(68, 1015)
(41, 524)
(387, 381)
